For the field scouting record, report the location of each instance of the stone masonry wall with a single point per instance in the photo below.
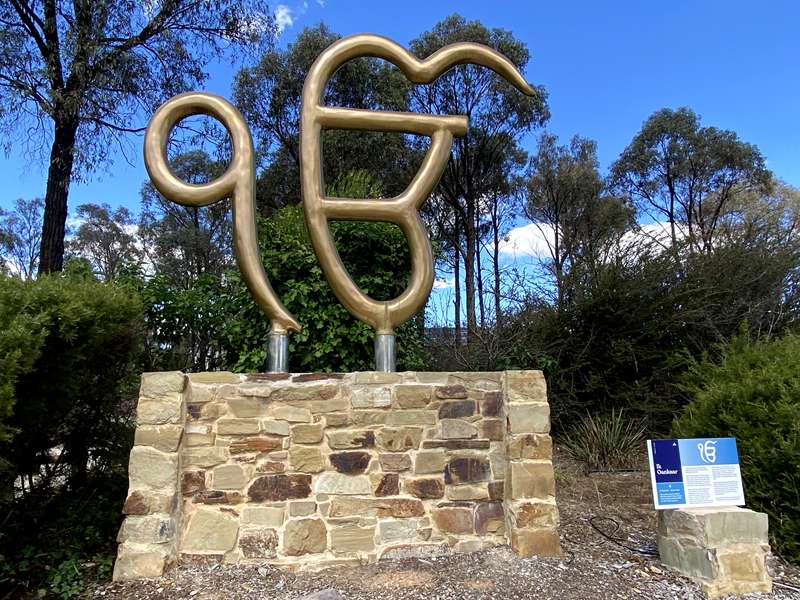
(324, 469)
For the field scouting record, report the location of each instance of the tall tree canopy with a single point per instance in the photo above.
(83, 73)
(499, 115)
(686, 175)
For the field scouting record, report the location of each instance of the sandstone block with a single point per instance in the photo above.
(248, 406)
(150, 468)
(258, 542)
(528, 418)
(280, 487)
(192, 482)
(456, 444)
(535, 514)
(352, 538)
(395, 462)
(399, 530)
(478, 491)
(432, 461)
(314, 392)
(412, 395)
(210, 531)
(536, 542)
(273, 427)
(292, 414)
(369, 417)
(531, 480)
(457, 520)
(456, 429)
(231, 426)
(229, 477)
(467, 469)
(160, 410)
(489, 518)
(161, 437)
(496, 489)
(266, 516)
(377, 377)
(305, 377)
(147, 529)
(531, 445)
(715, 527)
(339, 419)
(302, 508)
(342, 506)
(371, 396)
(351, 463)
(456, 409)
(137, 562)
(209, 377)
(156, 385)
(304, 536)
(307, 433)
(492, 429)
(399, 439)
(306, 459)
(411, 417)
(217, 497)
(263, 443)
(323, 406)
(337, 483)
(424, 487)
(351, 439)
(526, 386)
(145, 502)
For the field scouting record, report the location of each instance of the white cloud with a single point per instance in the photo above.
(283, 17)
(443, 284)
(527, 240)
(321, 3)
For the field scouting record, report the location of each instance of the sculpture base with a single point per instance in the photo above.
(723, 549)
(315, 470)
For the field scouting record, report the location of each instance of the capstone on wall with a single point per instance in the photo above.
(324, 469)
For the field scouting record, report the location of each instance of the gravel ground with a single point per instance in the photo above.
(595, 567)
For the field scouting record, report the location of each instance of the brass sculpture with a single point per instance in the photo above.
(238, 182)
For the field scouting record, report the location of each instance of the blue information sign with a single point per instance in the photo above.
(695, 473)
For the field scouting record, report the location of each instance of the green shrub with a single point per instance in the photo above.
(68, 375)
(753, 394)
(607, 442)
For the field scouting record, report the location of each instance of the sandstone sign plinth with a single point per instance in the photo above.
(320, 469)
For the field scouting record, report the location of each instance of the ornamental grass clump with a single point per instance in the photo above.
(607, 442)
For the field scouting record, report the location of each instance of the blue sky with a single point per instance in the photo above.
(606, 65)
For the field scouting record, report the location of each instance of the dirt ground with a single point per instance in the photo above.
(617, 504)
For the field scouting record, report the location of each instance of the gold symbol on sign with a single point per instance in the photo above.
(402, 210)
(238, 181)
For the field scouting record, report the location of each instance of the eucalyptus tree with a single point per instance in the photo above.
(78, 76)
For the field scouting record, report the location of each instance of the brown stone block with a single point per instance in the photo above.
(492, 404)
(306, 377)
(395, 462)
(258, 543)
(456, 409)
(496, 490)
(389, 485)
(467, 469)
(399, 439)
(492, 429)
(217, 497)
(192, 482)
(536, 542)
(458, 520)
(530, 445)
(371, 507)
(350, 462)
(280, 487)
(531, 480)
(456, 444)
(304, 536)
(145, 502)
(489, 518)
(256, 444)
(446, 392)
(305, 393)
(269, 466)
(424, 487)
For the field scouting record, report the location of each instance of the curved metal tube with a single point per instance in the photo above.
(402, 210)
(238, 183)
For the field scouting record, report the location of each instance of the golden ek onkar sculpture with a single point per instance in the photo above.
(238, 182)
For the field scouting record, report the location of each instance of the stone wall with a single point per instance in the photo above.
(315, 470)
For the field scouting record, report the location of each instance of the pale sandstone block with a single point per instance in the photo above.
(215, 377)
(135, 561)
(147, 529)
(150, 468)
(155, 385)
(368, 377)
(337, 483)
(275, 427)
(292, 414)
(238, 426)
(161, 437)
(166, 408)
(307, 433)
(526, 386)
(210, 531)
(204, 456)
(267, 516)
(352, 538)
(411, 417)
(371, 397)
(456, 429)
(529, 479)
(430, 461)
(229, 477)
(248, 406)
(528, 418)
(306, 460)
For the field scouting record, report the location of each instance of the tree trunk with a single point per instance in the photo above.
(457, 282)
(479, 278)
(62, 157)
(496, 264)
(469, 268)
